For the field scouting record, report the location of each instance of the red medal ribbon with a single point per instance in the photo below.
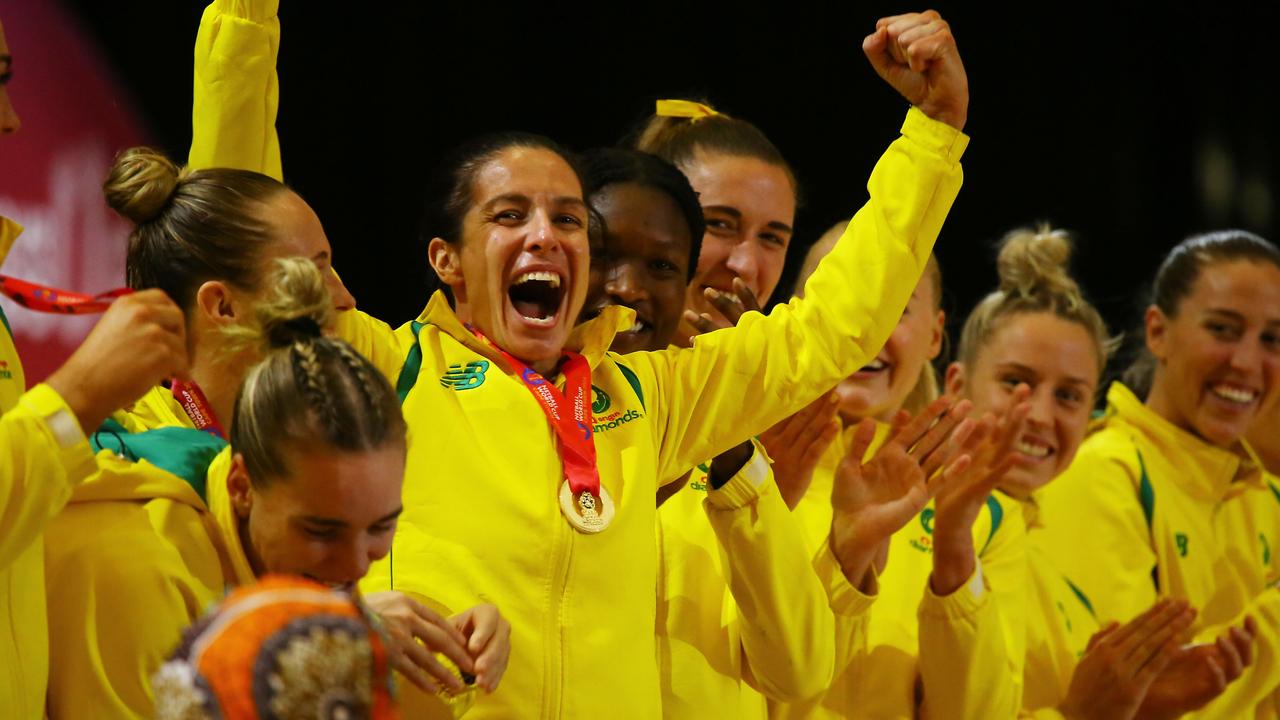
(42, 298)
(193, 401)
(569, 414)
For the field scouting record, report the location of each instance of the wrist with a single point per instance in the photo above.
(953, 565)
(729, 463)
(955, 116)
(81, 402)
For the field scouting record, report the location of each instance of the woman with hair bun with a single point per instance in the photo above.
(1165, 498)
(225, 245)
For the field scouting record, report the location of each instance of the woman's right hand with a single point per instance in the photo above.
(414, 634)
(871, 500)
(1121, 662)
(1199, 673)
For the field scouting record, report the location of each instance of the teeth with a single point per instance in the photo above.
(635, 328)
(542, 275)
(544, 322)
(1236, 395)
(1034, 449)
(876, 364)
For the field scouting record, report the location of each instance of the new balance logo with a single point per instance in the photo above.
(465, 377)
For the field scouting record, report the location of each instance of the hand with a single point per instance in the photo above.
(488, 637)
(415, 633)
(991, 449)
(917, 55)
(1120, 663)
(872, 500)
(731, 308)
(139, 341)
(797, 444)
(1200, 673)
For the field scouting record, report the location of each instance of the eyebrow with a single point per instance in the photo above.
(737, 215)
(1019, 366)
(335, 523)
(519, 198)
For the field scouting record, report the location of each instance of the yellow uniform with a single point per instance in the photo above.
(43, 456)
(481, 521)
(1060, 621)
(740, 612)
(1147, 510)
(964, 650)
(133, 559)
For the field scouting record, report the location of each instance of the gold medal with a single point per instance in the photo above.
(586, 512)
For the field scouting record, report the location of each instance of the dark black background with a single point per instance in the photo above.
(1133, 126)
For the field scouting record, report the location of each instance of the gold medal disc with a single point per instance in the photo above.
(584, 511)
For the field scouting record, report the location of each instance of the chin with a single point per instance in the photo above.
(1220, 433)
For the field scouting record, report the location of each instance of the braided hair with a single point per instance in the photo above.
(308, 388)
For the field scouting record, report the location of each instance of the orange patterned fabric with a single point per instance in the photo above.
(281, 649)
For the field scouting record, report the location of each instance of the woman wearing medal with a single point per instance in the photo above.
(502, 460)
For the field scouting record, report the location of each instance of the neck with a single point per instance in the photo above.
(218, 384)
(1159, 402)
(1270, 457)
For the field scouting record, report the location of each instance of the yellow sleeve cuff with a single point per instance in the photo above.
(965, 602)
(939, 137)
(252, 10)
(63, 428)
(842, 596)
(750, 483)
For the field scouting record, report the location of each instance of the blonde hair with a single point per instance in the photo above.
(1032, 265)
(926, 389)
(308, 387)
(190, 226)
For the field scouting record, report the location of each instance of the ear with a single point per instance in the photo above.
(214, 303)
(240, 487)
(955, 379)
(1157, 326)
(939, 329)
(446, 260)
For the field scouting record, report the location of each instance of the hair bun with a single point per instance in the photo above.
(141, 183)
(1034, 262)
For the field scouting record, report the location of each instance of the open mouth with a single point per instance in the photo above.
(1234, 394)
(537, 297)
(346, 587)
(1033, 448)
(874, 367)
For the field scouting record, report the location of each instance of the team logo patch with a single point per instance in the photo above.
(600, 401)
(465, 377)
(924, 543)
(5, 372)
(1182, 541)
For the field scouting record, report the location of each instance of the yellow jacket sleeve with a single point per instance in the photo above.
(375, 340)
(739, 381)
(1259, 682)
(1109, 555)
(237, 92)
(43, 456)
(786, 627)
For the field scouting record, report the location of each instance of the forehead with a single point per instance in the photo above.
(531, 172)
(1249, 288)
(630, 209)
(745, 183)
(296, 227)
(1053, 347)
(325, 483)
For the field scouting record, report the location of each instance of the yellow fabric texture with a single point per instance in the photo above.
(741, 616)
(472, 533)
(237, 91)
(1211, 538)
(37, 475)
(1060, 621)
(965, 652)
(133, 559)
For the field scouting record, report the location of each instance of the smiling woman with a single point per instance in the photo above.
(1172, 480)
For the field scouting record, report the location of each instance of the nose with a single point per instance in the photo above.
(352, 562)
(9, 121)
(1246, 358)
(544, 235)
(1041, 400)
(623, 283)
(342, 297)
(744, 261)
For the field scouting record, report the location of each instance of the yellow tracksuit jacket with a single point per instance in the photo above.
(1148, 510)
(1060, 621)
(133, 559)
(481, 520)
(43, 456)
(740, 612)
(583, 608)
(965, 650)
